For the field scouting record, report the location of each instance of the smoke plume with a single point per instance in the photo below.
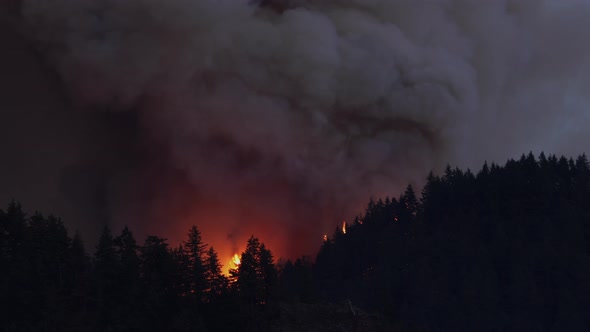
(245, 119)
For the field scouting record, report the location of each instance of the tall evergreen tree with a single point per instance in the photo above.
(127, 251)
(79, 274)
(180, 256)
(159, 276)
(216, 281)
(267, 274)
(128, 275)
(106, 267)
(195, 251)
(248, 283)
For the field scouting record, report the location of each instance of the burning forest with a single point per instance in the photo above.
(508, 246)
(278, 120)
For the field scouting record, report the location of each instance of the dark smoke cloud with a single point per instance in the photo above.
(160, 114)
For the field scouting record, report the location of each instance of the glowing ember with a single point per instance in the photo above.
(344, 227)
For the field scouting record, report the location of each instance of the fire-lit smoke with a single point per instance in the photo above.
(246, 120)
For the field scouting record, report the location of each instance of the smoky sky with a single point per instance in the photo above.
(244, 120)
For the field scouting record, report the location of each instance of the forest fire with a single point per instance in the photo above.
(236, 260)
(279, 119)
(233, 263)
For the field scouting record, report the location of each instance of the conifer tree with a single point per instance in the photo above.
(247, 282)
(106, 274)
(128, 286)
(180, 256)
(216, 281)
(195, 250)
(267, 274)
(78, 274)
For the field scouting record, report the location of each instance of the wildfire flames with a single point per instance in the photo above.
(344, 227)
(235, 261)
(232, 264)
(325, 237)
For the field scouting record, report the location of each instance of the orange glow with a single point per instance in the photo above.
(226, 223)
(325, 237)
(233, 263)
(235, 260)
(344, 227)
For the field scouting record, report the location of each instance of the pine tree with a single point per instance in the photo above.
(248, 284)
(195, 250)
(180, 256)
(13, 230)
(159, 273)
(128, 287)
(126, 249)
(267, 274)
(410, 200)
(216, 281)
(106, 268)
(78, 274)
(257, 276)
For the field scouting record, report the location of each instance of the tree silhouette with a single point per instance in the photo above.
(180, 256)
(505, 249)
(106, 270)
(79, 279)
(128, 276)
(267, 274)
(248, 282)
(217, 283)
(501, 250)
(159, 275)
(195, 251)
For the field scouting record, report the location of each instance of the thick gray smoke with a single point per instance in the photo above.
(243, 119)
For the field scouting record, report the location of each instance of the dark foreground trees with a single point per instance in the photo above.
(49, 283)
(507, 248)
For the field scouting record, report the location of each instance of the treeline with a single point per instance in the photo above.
(506, 249)
(48, 282)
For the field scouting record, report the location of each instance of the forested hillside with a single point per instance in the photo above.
(506, 248)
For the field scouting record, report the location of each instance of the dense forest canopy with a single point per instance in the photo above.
(506, 248)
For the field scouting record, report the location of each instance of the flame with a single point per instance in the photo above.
(235, 261)
(344, 227)
(232, 264)
(325, 237)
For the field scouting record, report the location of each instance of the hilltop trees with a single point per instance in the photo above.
(256, 283)
(49, 282)
(44, 272)
(507, 248)
(159, 277)
(195, 253)
(256, 275)
(217, 283)
(106, 268)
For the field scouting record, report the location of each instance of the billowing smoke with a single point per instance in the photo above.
(245, 119)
